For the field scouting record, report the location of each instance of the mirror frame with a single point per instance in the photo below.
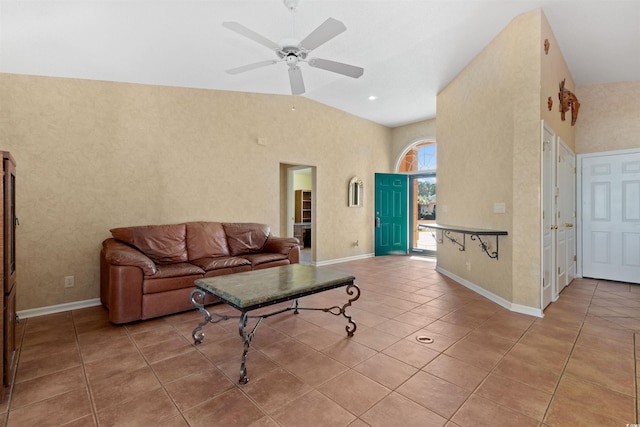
(355, 192)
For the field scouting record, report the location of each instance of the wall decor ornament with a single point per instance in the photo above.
(546, 46)
(568, 101)
(549, 103)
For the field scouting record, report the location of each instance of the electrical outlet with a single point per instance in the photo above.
(468, 265)
(68, 282)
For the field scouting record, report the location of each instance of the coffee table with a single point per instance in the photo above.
(255, 289)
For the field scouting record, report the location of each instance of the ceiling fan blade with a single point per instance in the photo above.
(325, 32)
(336, 67)
(242, 30)
(295, 78)
(250, 67)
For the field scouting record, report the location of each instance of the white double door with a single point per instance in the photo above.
(558, 217)
(611, 216)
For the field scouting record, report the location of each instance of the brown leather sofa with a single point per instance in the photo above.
(148, 271)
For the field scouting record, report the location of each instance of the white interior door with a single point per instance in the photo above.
(548, 231)
(611, 216)
(566, 216)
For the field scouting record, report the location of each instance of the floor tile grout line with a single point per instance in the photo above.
(637, 373)
(566, 363)
(94, 411)
(15, 373)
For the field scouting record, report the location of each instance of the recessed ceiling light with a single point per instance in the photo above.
(372, 98)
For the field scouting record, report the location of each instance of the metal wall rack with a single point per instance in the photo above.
(474, 233)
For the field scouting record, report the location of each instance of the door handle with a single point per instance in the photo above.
(568, 225)
(377, 222)
(553, 227)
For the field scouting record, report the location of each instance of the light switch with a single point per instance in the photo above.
(499, 208)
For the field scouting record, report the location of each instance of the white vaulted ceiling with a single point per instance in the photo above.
(409, 49)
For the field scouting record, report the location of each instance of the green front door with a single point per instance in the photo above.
(391, 219)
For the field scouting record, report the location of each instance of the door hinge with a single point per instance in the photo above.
(558, 271)
(575, 258)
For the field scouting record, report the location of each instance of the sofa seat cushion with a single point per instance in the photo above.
(176, 270)
(225, 271)
(168, 284)
(271, 264)
(206, 240)
(208, 264)
(264, 258)
(246, 238)
(164, 244)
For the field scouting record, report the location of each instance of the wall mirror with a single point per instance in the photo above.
(355, 192)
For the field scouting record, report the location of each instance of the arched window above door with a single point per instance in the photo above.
(421, 157)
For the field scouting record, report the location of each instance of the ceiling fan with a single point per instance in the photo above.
(293, 52)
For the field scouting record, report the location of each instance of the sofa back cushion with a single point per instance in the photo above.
(206, 240)
(164, 244)
(246, 238)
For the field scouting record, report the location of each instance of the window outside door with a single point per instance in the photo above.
(423, 211)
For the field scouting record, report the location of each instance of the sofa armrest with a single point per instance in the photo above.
(118, 253)
(284, 245)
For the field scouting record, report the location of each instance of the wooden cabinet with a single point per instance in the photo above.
(302, 206)
(302, 217)
(8, 269)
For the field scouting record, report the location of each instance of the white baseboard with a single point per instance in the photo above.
(339, 260)
(518, 308)
(43, 311)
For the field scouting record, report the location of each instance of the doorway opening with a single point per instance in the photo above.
(298, 207)
(419, 162)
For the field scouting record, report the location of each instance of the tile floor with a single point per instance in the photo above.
(577, 366)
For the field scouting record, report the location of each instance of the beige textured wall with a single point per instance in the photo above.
(609, 117)
(489, 151)
(554, 70)
(96, 155)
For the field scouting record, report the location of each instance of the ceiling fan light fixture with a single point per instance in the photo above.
(292, 60)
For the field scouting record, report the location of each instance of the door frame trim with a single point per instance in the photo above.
(565, 146)
(553, 277)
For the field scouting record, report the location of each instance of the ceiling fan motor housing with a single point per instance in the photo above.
(291, 55)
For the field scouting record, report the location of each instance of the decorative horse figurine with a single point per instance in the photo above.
(568, 100)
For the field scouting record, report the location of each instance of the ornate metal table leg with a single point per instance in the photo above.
(351, 290)
(336, 310)
(197, 333)
(246, 339)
